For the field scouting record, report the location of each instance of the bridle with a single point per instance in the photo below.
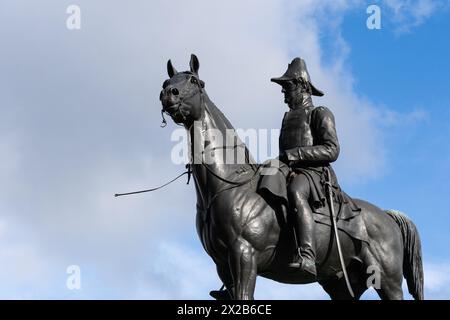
(182, 101)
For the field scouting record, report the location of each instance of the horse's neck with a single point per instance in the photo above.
(216, 151)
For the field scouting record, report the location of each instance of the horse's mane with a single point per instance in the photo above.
(217, 115)
(224, 125)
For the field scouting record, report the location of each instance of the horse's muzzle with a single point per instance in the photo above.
(169, 101)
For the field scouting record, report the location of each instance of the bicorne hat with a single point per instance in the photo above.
(297, 71)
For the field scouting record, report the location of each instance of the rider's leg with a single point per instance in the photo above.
(304, 224)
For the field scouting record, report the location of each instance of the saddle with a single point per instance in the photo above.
(272, 186)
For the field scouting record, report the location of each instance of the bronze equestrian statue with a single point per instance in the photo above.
(278, 225)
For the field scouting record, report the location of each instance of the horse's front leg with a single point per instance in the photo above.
(243, 267)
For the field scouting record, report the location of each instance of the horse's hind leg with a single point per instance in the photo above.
(337, 288)
(390, 272)
(243, 267)
(394, 292)
(391, 283)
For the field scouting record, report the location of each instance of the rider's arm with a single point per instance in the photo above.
(326, 144)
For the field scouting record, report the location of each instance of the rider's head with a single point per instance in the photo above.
(296, 84)
(294, 93)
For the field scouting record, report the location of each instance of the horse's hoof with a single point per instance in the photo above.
(220, 294)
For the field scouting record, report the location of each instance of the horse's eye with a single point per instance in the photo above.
(193, 80)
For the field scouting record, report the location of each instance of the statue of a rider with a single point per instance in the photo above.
(308, 144)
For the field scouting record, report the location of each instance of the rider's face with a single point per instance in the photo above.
(292, 94)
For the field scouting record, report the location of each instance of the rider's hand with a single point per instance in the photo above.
(292, 154)
(283, 157)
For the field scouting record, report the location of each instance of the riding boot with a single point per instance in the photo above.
(304, 230)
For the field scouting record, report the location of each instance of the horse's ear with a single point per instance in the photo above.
(170, 69)
(194, 64)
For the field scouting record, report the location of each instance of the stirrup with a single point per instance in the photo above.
(306, 265)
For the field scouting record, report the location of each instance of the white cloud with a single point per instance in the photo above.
(408, 14)
(437, 280)
(26, 269)
(10, 157)
(393, 118)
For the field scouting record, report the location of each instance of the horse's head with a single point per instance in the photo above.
(181, 96)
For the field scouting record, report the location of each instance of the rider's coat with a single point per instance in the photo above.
(308, 143)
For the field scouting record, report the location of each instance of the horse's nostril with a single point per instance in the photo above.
(174, 91)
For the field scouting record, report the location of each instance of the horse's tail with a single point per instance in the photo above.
(412, 254)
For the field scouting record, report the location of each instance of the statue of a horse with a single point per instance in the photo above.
(243, 232)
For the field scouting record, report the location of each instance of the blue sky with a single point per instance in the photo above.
(80, 122)
(408, 72)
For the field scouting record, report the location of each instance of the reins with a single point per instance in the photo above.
(188, 172)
